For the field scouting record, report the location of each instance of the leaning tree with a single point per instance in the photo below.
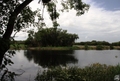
(16, 14)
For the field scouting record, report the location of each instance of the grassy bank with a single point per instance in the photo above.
(74, 47)
(53, 48)
(94, 72)
(18, 47)
(24, 47)
(98, 47)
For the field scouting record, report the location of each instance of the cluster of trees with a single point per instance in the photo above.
(94, 42)
(116, 43)
(51, 37)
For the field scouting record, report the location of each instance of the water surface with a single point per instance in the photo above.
(29, 61)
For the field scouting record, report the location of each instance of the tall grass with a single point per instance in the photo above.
(94, 72)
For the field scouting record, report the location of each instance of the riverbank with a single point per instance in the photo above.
(74, 47)
(54, 48)
(98, 47)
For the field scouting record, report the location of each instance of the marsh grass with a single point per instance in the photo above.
(94, 72)
(18, 46)
(54, 48)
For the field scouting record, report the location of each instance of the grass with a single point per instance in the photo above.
(94, 72)
(103, 47)
(74, 47)
(18, 46)
(53, 48)
(23, 47)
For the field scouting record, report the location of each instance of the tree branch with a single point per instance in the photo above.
(13, 17)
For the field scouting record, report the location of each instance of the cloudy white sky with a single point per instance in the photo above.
(101, 22)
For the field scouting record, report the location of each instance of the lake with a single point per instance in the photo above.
(29, 62)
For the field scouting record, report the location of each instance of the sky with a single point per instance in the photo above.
(101, 22)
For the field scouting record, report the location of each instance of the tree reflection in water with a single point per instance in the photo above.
(51, 58)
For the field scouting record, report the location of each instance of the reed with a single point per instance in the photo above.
(94, 72)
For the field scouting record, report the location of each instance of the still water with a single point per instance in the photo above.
(29, 62)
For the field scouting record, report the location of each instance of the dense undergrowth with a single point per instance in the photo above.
(94, 72)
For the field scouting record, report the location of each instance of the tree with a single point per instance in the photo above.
(52, 37)
(14, 17)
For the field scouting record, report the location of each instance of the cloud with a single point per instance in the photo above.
(96, 24)
(21, 36)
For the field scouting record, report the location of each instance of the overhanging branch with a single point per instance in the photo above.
(13, 17)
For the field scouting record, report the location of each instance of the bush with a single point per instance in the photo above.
(111, 47)
(94, 72)
(86, 47)
(99, 47)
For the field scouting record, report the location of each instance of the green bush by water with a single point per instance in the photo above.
(94, 72)
(86, 47)
(99, 47)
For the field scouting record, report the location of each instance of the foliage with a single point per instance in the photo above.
(94, 42)
(86, 47)
(99, 47)
(116, 43)
(111, 47)
(25, 16)
(59, 74)
(94, 72)
(17, 45)
(51, 37)
(24, 19)
(4, 71)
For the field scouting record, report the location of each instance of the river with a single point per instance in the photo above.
(29, 62)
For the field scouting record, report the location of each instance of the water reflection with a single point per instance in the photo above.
(51, 58)
(31, 61)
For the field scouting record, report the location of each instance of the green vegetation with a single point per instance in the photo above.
(111, 47)
(86, 47)
(94, 72)
(99, 47)
(51, 37)
(18, 46)
(75, 46)
(94, 43)
(54, 48)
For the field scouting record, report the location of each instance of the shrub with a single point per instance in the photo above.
(94, 72)
(111, 47)
(99, 47)
(86, 47)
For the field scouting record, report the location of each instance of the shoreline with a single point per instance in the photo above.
(74, 47)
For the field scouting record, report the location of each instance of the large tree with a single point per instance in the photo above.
(16, 14)
(51, 37)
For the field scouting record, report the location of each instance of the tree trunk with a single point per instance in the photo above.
(5, 40)
(4, 46)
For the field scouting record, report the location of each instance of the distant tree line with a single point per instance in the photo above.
(34, 41)
(51, 37)
(94, 43)
(116, 43)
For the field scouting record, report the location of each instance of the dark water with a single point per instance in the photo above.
(30, 62)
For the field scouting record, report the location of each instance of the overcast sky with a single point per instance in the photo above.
(101, 22)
